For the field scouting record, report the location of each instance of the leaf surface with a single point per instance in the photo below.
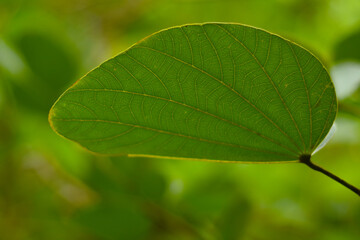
(213, 91)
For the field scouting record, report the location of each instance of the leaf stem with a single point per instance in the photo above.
(306, 159)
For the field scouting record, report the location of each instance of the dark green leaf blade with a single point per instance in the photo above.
(204, 91)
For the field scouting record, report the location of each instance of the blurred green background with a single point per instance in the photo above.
(50, 188)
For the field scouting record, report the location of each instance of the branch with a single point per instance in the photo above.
(306, 159)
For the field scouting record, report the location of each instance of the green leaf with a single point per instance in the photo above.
(213, 91)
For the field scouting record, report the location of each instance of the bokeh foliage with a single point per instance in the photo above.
(51, 188)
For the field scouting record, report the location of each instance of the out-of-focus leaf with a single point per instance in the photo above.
(350, 107)
(49, 58)
(203, 91)
(151, 185)
(114, 220)
(52, 67)
(210, 198)
(234, 220)
(143, 179)
(7, 120)
(212, 201)
(348, 49)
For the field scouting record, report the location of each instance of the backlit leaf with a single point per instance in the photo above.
(204, 91)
